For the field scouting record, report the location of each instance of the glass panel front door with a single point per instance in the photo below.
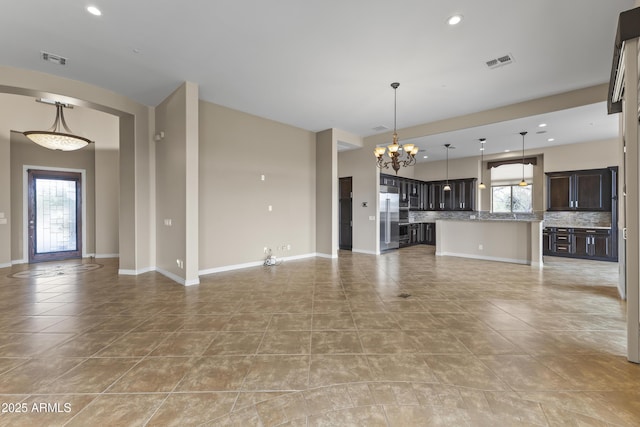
(54, 215)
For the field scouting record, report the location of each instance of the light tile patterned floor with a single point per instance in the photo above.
(318, 342)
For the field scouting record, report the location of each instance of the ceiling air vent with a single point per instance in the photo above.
(56, 59)
(380, 128)
(500, 61)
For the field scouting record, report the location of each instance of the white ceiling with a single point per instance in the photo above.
(329, 64)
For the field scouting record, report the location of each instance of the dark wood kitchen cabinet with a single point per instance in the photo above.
(439, 199)
(429, 233)
(464, 194)
(585, 190)
(587, 243)
(461, 197)
(419, 195)
(593, 244)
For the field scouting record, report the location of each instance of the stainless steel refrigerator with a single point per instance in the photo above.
(389, 218)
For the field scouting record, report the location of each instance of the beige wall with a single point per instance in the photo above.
(236, 149)
(176, 185)
(326, 194)
(360, 165)
(100, 160)
(588, 155)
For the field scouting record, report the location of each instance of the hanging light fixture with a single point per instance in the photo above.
(58, 136)
(523, 183)
(447, 187)
(481, 186)
(395, 150)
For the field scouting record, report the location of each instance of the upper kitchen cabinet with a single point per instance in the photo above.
(461, 197)
(585, 190)
(464, 194)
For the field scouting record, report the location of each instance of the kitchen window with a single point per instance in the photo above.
(506, 195)
(511, 198)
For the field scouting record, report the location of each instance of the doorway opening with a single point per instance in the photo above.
(346, 213)
(54, 215)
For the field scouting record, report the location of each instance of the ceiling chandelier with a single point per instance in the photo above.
(54, 138)
(523, 183)
(395, 151)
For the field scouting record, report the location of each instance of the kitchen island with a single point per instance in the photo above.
(505, 240)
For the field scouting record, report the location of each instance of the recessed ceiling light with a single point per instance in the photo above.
(425, 157)
(94, 10)
(551, 139)
(542, 125)
(506, 151)
(454, 20)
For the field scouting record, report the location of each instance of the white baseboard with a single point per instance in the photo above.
(485, 258)
(18, 261)
(97, 256)
(303, 256)
(362, 251)
(329, 256)
(253, 264)
(230, 267)
(126, 272)
(177, 278)
(6, 265)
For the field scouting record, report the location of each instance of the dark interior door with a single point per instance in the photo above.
(346, 213)
(55, 215)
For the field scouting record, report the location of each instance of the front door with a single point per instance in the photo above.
(54, 217)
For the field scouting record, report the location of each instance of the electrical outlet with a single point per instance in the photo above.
(180, 263)
(480, 247)
(288, 247)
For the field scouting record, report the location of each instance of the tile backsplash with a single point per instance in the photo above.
(577, 219)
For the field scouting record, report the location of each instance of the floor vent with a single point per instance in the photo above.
(500, 61)
(56, 59)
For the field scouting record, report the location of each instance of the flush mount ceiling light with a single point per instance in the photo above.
(395, 151)
(94, 11)
(482, 186)
(53, 138)
(523, 183)
(454, 20)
